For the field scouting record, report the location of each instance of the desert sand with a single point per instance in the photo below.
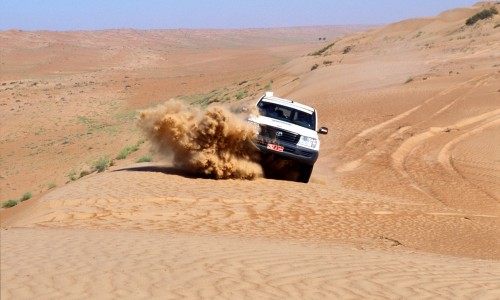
(403, 203)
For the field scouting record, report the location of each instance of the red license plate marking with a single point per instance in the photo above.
(275, 147)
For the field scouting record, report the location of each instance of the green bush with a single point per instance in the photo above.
(101, 164)
(51, 186)
(72, 175)
(9, 203)
(127, 151)
(484, 14)
(84, 173)
(26, 196)
(123, 154)
(323, 50)
(144, 158)
(241, 94)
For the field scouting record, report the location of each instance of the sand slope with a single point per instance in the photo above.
(154, 200)
(101, 264)
(403, 201)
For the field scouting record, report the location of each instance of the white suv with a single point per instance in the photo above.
(288, 130)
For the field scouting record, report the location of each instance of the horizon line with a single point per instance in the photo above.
(193, 28)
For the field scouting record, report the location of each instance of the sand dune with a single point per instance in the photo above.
(403, 202)
(102, 264)
(155, 200)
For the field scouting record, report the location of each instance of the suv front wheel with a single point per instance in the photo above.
(305, 171)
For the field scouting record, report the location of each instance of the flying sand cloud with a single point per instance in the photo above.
(212, 142)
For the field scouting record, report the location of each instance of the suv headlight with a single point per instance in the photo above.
(308, 142)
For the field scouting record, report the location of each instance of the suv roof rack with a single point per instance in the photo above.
(269, 97)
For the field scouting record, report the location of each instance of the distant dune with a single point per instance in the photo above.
(403, 201)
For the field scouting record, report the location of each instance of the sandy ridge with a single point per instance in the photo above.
(158, 201)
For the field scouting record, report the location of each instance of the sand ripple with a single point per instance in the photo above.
(101, 264)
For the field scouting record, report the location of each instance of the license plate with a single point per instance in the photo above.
(275, 147)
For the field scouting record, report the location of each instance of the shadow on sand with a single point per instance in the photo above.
(275, 171)
(165, 170)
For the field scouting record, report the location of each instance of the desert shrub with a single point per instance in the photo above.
(484, 14)
(496, 26)
(72, 175)
(144, 158)
(314, 67)
(327, 62)
(101, 164)
(9, 203)
(127, 151)
(347, 49)
(130, 149)
(241, 94)
(26, 196)
(84, 173)
(123, 154)
(52, 185)
(323, 50)
(268, 86)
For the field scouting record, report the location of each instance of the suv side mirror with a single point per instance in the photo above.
(323, 130)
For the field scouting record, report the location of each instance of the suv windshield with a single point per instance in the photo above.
(288, 114)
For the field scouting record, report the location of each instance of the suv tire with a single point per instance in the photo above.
(305, 172)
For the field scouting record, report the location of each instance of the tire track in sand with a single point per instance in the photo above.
(394, 146)
(378, 127)
(417, 156)
(389, 138)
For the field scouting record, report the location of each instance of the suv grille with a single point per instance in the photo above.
(274, 133)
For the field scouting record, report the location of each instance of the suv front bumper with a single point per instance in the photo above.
(290, 151)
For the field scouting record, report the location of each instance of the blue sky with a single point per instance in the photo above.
(169, 14)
